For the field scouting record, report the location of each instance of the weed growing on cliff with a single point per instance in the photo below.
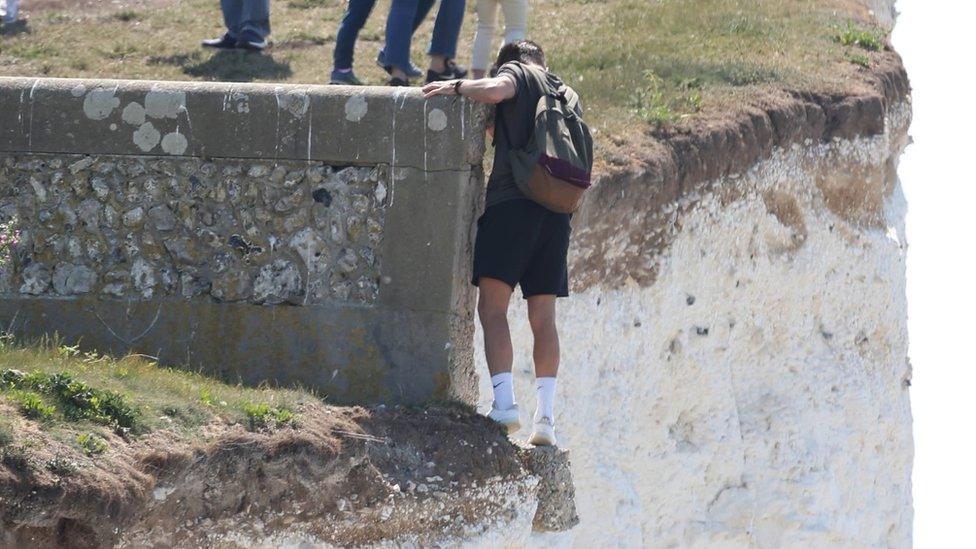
(854, 35)
(860, 60)
(16, 457)
(6, 433)
(127, 16)
(32, 405)
(62, 466)
(649, 101)
(92, 444)
(261, 416)
(76, 400)
(654, 103)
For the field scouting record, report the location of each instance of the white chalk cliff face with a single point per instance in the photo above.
(755, 394)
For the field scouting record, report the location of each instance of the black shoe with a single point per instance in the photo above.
(458, 71)
(398, 82)
(225, 42)
(451, 72)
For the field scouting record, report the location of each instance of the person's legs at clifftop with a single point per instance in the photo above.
(493, 298)
(399, 30)
(357, 12)
(443, 43)
(545, 354)
(255, 24)
(412, 71)
(481, 50)
(248, 25)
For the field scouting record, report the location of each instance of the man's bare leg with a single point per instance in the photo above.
(545, 354)
(545, 351)
(493, 298)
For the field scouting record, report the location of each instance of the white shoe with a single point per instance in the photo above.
(509, 418)
(543, 432)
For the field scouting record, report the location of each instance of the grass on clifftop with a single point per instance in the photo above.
(78, 398)
(634, 61)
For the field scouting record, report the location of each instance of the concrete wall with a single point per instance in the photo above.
(297, 234)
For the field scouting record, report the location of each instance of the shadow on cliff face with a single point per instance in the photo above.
(232, 66)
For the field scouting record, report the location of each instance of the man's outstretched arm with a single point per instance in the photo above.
(486, 90)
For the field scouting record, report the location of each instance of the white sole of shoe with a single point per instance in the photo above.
(542, 439)
(508, 419)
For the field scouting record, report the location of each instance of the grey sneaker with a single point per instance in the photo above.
(347, 78)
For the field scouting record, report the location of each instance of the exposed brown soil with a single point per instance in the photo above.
(640, 174)
(337, 466)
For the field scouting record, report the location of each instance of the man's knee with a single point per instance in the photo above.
(542, 315)
(490, 311)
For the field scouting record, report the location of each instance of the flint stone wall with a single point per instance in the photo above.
(294, 234)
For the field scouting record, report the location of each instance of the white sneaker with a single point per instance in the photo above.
(543, 432)
(509, 418)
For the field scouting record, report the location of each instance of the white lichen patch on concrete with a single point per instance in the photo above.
(165, 103)
(356, 108)
(100, 102)
(174, 143)
(146, 137)
(134, 114)
(296, 102)
(755, 394)
(436, 120)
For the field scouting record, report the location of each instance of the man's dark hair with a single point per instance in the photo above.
(524, 51)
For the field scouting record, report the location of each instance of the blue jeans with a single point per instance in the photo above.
(406, 15)
(352, 22)
(247, 19)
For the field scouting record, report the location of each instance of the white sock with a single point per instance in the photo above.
(545, 392)
(504, 390)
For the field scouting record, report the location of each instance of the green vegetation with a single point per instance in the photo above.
(92, 444)
(854, 35)
(81, 398)
(631, 60)
(262, 415)
(75, 400)
(860, 60)
(32, 405)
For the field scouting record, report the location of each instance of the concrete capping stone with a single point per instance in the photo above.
(334, 124)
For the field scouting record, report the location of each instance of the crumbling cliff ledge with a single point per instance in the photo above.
(337, 477)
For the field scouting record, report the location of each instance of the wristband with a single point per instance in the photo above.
(457, 87)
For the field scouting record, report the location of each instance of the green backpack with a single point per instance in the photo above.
(554, 168)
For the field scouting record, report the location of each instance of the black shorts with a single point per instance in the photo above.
(521, 242)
